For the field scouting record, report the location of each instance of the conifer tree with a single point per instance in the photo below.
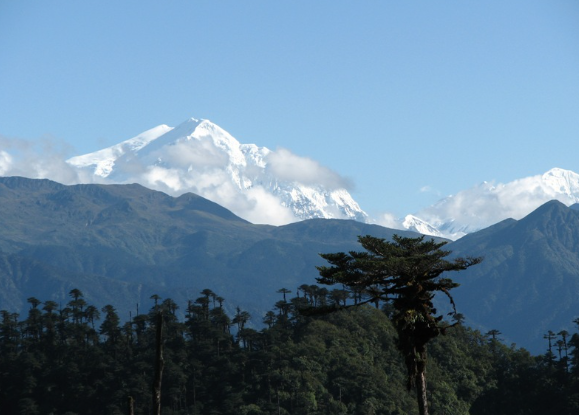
(407, 272)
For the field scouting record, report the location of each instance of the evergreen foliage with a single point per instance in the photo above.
(60, 360)
(406, 272)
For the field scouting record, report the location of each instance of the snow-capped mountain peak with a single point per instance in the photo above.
(198, 156)
(487, 203)
(277, 187)
(563, 182)
(103, 160)
(413, 223)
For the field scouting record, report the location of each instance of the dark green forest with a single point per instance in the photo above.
(82, 359)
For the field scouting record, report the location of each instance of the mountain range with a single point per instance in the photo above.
(278, 187)
(120, 244)
(245, 221)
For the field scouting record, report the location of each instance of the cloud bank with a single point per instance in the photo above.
(199, 166)
(255, 204)
(41, 159)
(287, 166)
(388, 220)
(488, 203)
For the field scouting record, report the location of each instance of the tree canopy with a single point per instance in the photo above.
(406, 272)
(53, 362)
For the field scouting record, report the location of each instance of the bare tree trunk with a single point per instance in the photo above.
(131, 405)
(159, 364)
(421, 390)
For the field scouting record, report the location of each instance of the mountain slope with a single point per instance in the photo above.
(122, 243)
(22, 277)
(100, 236)
(198, 156)
(528, 282)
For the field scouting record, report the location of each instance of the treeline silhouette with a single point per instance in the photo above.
(79, 359)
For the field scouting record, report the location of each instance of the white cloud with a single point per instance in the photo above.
(265, 208)
(200, 154)
(388, 220)
(195, 165)
(255, 204)
(430, 191)
(287, 166)
(42, 159)
(5, 163)
(488, 203)
(161, 179)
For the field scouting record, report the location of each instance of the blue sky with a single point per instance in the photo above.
(411, 101)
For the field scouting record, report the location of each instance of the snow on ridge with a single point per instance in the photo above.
(484, 205)
(103, 160)
(278, 187)
(222, 139)
(199, 156)
(562, 181)
(416, 224)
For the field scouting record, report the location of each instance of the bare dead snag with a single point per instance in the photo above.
(159, 364)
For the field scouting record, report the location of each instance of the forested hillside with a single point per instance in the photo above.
(79, 359)
(118, 242)
(528, 282)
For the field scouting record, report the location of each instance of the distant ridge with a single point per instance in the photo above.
(120, 244)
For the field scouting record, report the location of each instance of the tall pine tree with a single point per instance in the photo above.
(407, 272)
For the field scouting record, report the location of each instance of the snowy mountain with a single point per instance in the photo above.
(413, 223)
(278, 187)
(486, 204)
(258, 184)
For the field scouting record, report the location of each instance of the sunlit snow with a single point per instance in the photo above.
(256, 183)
